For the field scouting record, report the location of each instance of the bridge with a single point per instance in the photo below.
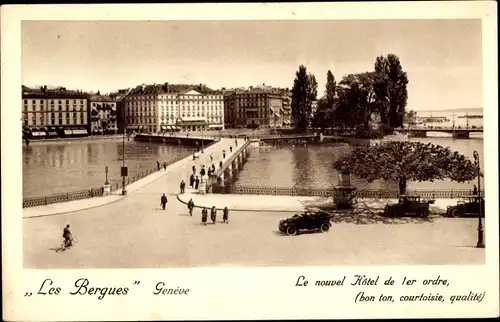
(458, 133)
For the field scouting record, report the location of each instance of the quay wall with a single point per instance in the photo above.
(191, 141)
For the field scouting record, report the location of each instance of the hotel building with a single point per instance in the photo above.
(254, 107)
(173, 107)
(103, 115)
(54, 112)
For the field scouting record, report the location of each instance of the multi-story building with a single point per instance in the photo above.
(167, 107)
(286, 97)
(103, 114)
(254, 107)
(54, 112)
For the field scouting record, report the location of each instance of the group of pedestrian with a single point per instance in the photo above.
(159, 165)
(194, 181)
(213, 215)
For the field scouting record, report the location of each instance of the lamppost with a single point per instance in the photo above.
(124, 169)
(480, 232)
(106, 171)
(202, 127)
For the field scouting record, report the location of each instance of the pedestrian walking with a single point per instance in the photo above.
(183, 186)
(158, 165)
(220, 164)
(231, 148)
(202, 171)
(204, 214)
(224, 154)
(211, 158)
(194, 169)
(197, 183)
(474, 192)
(191, 180)
(163, 201)
(236, 142)
(165, 166)
(225, 215)
(213, 168)
(213, 214)
(190, 206)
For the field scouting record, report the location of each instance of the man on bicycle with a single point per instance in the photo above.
(67, 237)
(190, 205)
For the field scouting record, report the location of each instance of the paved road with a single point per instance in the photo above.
(136, 233)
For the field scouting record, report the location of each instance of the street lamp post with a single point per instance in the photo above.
(124, 169)
(106, 170)
(480, 231)
(202, 127)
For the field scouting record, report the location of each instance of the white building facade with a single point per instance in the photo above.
(103, 115)
(173, 107)
(54, 112)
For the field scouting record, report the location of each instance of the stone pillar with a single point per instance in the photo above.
(343, 192)
(106, 190)
(235, 165)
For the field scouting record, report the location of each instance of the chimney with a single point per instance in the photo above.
(143, 87)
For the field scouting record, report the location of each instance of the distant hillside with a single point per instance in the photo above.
(475, 110)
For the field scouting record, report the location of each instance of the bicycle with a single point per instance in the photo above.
(68, 244)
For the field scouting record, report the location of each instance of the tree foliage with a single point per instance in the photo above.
(323, 117)
(391, 90)
(304, 92)
(356, 100)
(403, 161)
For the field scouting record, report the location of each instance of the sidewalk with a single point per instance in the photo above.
(261, 203)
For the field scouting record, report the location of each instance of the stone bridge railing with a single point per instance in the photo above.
(361, 193)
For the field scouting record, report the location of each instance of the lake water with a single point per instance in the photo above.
(61, 167)
(312, 166)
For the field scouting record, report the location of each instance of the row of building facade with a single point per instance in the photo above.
(156, 108)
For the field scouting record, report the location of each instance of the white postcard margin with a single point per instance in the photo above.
(238, 293)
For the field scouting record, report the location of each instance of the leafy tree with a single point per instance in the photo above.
(404, 161)
(323, 117)
(357, 100)
(390, 87)
(331, 90)
(304, 91)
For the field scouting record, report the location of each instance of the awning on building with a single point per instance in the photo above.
(39, 134)
(68, 132)
(132, 127)
(194, 119)
(215, 126)
(52, 133)
(80, 132)
(165, 127)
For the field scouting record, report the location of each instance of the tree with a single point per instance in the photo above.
(304, 91)
(322, 116)
(390, 87)
(331, 90)
(404, 161)
(357, 100)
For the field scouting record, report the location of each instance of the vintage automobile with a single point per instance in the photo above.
(305, 221)
(466, 207)
(408, 206)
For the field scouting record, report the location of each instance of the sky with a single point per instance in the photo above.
(443, 58)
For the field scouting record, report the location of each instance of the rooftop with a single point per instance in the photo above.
(167, 88)
(44, 91)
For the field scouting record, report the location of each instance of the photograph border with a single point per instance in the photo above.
(238, 293)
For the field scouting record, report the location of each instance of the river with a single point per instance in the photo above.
(312, 166)
(61, 167)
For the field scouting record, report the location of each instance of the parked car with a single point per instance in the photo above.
(305, 221)
(408, 206)
(467, 207)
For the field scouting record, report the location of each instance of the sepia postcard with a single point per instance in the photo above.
(250, 161)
